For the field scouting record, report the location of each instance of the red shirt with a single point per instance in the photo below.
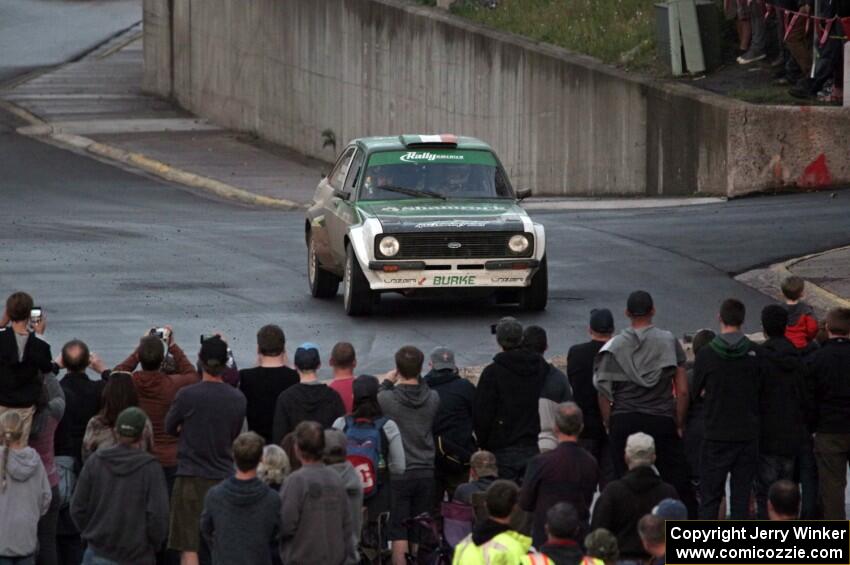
(344, 388)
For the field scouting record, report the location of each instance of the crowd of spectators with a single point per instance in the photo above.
(159, 460)
(802, 39)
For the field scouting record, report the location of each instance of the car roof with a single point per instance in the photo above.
(397, 143)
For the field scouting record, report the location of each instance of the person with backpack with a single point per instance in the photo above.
(24, 359)
(24, 492)
(373, 445)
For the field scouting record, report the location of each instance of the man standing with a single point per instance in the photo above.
(315, 521)
(207, 417)
(506, 411)
(653, 537)
(580, 359)
(453, 422)
(783, 406)
(624, 501)
(409, 402)
(829, 378)
(642, 383)
(563, 530)
(730, 373)
(309, 400)
(157, 388)
(565, 474)
(120, 504)
(241, 516)
(262, 384)
(343, 361)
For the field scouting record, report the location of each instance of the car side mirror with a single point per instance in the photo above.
(523, 194)
(342, 194)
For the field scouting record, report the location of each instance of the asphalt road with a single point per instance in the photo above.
(109, 254)
(38, 33)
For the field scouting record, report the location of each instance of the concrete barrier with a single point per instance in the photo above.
(563, 124)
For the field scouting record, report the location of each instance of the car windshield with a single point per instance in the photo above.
(449, 173)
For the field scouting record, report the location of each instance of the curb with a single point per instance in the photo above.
(43, 131)
(768, 280)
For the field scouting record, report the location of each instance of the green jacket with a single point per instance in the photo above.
(507, 548)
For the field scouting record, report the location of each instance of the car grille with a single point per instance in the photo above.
(473, 245)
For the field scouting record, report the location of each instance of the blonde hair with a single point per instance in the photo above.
(274, 466)
(11, 431)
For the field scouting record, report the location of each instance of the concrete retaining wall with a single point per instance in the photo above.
(562, 123)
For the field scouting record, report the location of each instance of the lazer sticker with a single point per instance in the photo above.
(450, 224)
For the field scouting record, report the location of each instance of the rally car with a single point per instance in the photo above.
(417, 214)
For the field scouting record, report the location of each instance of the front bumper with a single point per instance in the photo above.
(404, 275)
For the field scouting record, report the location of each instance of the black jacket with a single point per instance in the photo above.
(21, 381)
(580, 372)
(306, 401)
(507, 400)
(627, 500)
(829, 381)
(82, 402)
(453, 422)
(120, 505)
(567, 473)
(783, 398)
(729, 370)
(261, 387)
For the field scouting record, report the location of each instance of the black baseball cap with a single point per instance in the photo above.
(602, 321)
(307, 357)
(214, 351)
(365, 386)
(640, 303)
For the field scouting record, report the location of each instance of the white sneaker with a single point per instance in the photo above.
(748, 58)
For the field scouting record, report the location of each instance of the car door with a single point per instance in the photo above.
(339, 210)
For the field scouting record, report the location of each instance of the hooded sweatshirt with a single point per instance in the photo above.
(730, 373)
(829, 371)
(306, 401)
(354, 489)
(156, 392)
(624, 502)
(507, 400)
(120, 505)
(802, 325)
(453, 423)
(25, 499)
(413, 408)
(240, 520)
(783, 400)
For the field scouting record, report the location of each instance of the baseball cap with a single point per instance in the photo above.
(639, 303)
(365, 386)
(601, 321)
(509, 333)
(214, 351)
(443, 358)
(671, 509)
(131, 422)
(602, 544)
(640, 448)
(335, 443)
(307, 357)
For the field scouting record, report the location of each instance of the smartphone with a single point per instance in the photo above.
(205, 337)
(35, 314)
(161, 333)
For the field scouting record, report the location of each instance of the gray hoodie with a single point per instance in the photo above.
(25, 499)
(413, 408)
(354, 490)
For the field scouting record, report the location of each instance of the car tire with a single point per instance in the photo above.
(322, 283)
(358, 297)
(534, 297)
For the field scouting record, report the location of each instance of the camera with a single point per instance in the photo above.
(205, 337)
(35, 314)
(161, 333)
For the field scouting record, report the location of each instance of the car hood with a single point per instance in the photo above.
(420, 214)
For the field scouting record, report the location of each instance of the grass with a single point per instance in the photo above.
(616, 31)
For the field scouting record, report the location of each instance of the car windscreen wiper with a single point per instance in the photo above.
(413, 192)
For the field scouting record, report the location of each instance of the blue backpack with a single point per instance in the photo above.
(364, 450)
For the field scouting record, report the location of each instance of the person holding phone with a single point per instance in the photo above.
(25, 358)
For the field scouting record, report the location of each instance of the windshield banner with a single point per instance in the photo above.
(426, 156)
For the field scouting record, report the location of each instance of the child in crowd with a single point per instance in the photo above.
(802, 324)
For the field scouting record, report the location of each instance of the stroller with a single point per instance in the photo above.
(441, 535)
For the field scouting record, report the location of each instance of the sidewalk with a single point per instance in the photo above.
(96, 106)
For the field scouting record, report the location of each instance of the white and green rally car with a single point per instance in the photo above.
(418, 214)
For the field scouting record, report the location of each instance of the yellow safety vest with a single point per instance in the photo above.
(507, 548)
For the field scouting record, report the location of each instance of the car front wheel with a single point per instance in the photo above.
(357, 295)
(534, 297)
(322, 283)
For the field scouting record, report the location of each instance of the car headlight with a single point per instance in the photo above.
(389, 246)
(518, 244)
